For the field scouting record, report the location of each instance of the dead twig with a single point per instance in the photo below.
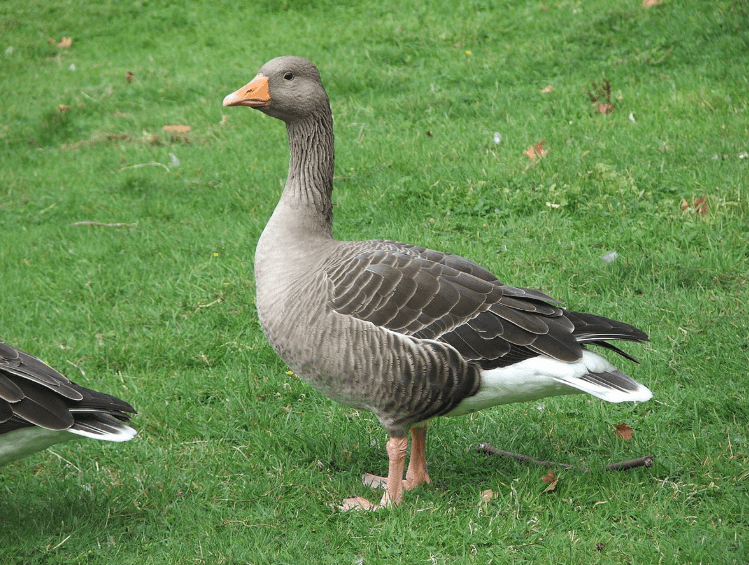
(140, 165)
(217, 301)
(116, 225)
(646, 461)
(491, 450)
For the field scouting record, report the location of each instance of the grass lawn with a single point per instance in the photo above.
(436, 107)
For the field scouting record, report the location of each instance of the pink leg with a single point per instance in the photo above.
(417, 466)
(394, 483)
(396, 448)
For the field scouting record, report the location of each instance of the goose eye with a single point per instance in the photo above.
(288, 76)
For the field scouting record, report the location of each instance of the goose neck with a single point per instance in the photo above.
(311, 165)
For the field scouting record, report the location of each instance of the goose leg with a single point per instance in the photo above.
(396, 449)
(394, 483)
(417, 465)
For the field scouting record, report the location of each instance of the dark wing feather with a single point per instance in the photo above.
(16, 362)
(433, 295)
(590, 328)
(42, 407)
(33, 394)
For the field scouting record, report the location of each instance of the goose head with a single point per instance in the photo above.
(287, 88)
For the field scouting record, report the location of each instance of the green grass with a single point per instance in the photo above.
(238, 462)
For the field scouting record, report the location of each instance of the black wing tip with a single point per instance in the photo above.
(35, 394)
(590, 327)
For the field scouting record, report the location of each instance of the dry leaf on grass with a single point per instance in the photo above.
(178, 129)
(601, 97)
(651, 3)
(551, 479)
(536, 152)
(547, 89)
(487, 495)
(623, 431)
(129, 76)
(63, 108)
(698, 205)
(66, 42)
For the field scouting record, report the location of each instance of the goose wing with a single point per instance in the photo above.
(33, 394)
(433, 295)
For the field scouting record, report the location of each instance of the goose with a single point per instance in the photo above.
(39, 407)
(402, 331)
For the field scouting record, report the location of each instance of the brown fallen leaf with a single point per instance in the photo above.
(535, 152)
(701, 205)
(547, 89)
(600, 96)
(551, 479)
(698, 205)
(63, 108)
(129, 76)
(487, 495)
(623, 431)
(651, 3)
(178, 129)
(66, 42)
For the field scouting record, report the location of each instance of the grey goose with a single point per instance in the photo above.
(39, 407)
(405, 332)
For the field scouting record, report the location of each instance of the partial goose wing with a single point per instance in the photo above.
(33, 394)
(432, 295)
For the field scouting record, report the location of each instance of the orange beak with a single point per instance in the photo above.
(255, 94)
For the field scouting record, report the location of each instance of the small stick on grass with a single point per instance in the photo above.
(491, 450)
(139, 165)
(116, 225)
(646, 461)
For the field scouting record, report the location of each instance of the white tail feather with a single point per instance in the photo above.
(541, 376)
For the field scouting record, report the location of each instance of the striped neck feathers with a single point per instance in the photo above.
(311, 165)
